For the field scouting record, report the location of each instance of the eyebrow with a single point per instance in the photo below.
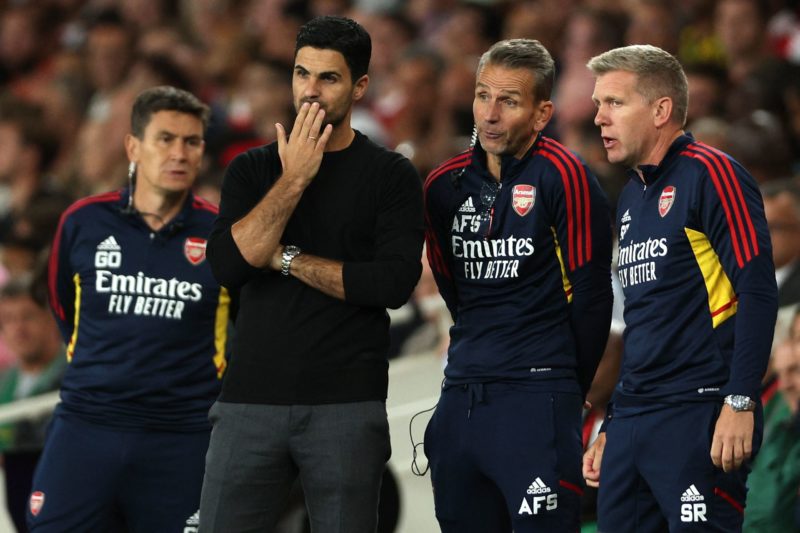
(299, 67)
(505, 92)
(606, 98)
(173, 134)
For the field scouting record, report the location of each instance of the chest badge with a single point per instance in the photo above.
(522, 199)
(666, 200)
(194, 248)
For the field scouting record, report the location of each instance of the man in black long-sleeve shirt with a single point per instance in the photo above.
(321, 232)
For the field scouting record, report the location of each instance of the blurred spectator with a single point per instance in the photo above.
(707, 88)
(410, 120)
(784, 31)
(756, 75)
(261, 97)
(392, 34)
(653, 22)
(791, 108)
(712, 131)
(24, 44)
(143, 14)
(782, 210)
(108, 56)
(274, 24)
(543, 20)
(585, 139)
(758, 141)
(28, 329)
(589, 32)
(697, 41)
(318, 8)
(468, 31)
(775, 478)
(740, 26)
(27, 149)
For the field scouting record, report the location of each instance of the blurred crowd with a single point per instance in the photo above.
(70, 70)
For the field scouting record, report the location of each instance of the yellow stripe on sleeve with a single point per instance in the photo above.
(221, 331)
(564, 279)
(722, 302)
(74, 338)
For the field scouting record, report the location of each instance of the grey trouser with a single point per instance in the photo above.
(256, 451)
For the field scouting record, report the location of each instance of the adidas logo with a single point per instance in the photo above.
(626, 217)
(193, 520)
(467, 207)
(538, 487)
(692, 495)
(110, 243)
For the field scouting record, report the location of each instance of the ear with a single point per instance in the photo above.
(662, 111)
(132, 144)
(360, 87)
(542, 116)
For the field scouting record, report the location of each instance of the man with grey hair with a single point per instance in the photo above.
(696, 267)
(519, 243)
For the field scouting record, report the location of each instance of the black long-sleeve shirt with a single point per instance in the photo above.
(293, 343)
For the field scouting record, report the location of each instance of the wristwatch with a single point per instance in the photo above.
(740, 403)
(289, 253)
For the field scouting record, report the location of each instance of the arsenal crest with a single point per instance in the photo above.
(36, 502)
(522, 199)
(195, 250)
(666, 200)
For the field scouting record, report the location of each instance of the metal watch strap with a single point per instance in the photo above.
(289, 253)
(740, 403)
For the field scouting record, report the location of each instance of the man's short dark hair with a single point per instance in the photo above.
(165, 98)
(341, 34)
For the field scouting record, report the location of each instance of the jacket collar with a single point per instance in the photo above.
(510, 166)
(651, 173)
(180, 220)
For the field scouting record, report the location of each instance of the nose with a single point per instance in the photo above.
(311, 89)
(178, 150)
(599, 117)
(491, 112)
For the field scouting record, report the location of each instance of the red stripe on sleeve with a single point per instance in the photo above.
(721, 193)
(202, 203)
(582, 193)
(726, 180)
(458, 161)
(52, 265)
(434, 249)
(740, 197)
(570, 217)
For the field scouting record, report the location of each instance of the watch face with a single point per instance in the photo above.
(739, 403)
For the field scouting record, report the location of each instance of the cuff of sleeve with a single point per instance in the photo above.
(752, 391)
